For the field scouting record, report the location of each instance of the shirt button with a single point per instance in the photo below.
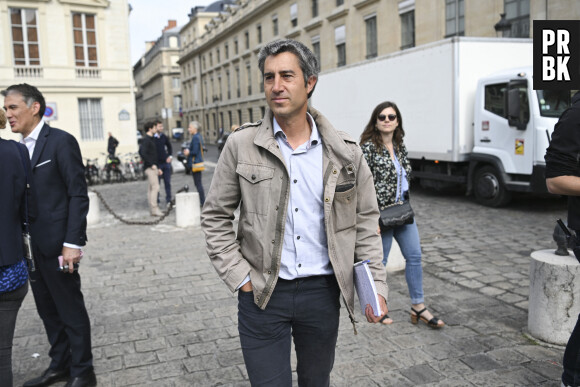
(299, 265)
(273, 241)
(326, 200)
(296, 209)
(295, 181)
(298, 237)
(269, 272)
(334, 171)
(253, 177)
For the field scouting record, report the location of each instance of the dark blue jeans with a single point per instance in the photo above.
(306, 309)
(199, 186)
(571, 362)
(166, 168)
(9, 305)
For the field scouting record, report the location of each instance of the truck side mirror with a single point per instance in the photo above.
(517, 104)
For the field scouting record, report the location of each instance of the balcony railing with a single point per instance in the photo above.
(28, 72)
(88, 72)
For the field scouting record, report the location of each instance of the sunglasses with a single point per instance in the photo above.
(391, 117)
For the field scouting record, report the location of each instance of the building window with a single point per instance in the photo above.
(259, 33)
(25, 43)
(340, 42)
(339, 3)
(175, 82)
(249, 72)
(85, 40)
(176, 103)
(316, 48)
(91, 119)
(408, 29)
(371, 28)
(275, 25)
(294, 14)
(247, 39)
(227, 51)
(454, 18)
(517, 12)
(229, 84)
(251, 114)
(240, 117)
(220, 86)
(314, 8)
(210, 59)
(217, 52)
(238, 82)
(263, 110)
(230, 118)
(235, 46)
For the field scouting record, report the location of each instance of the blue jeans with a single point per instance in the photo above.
(306, 309)
(166, 168)
(199, 186)
(9, 305)
(407, 236)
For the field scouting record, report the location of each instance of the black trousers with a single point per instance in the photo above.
(306, 310)
(61, 306)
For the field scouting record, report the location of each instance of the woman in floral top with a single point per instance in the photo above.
(386, 155)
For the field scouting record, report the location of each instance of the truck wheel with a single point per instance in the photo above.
(489, 189)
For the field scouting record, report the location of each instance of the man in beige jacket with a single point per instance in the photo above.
(308, 212)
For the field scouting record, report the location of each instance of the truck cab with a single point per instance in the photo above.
(512, 127)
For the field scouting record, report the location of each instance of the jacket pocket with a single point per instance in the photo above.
(255, 182)
(344, 207)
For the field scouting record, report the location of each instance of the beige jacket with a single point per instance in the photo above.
(251, 170)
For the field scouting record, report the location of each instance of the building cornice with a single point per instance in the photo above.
(87, 3)
(364, 3)
(338, 13)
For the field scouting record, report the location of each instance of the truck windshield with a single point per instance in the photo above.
(553, 102)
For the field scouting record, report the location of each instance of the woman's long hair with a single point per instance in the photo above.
(371, 133)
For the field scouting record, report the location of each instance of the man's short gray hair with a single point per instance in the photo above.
(307, 60)
(196, 124)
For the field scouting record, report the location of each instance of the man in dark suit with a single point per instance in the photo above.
(60, 192)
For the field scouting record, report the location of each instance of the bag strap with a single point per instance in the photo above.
(22, 156)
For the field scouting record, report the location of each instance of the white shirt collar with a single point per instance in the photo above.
(314, 135)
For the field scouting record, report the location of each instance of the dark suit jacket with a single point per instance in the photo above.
(60, 191)
(13, 183)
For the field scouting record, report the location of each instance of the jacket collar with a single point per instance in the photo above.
(334, 144)
(39, 146)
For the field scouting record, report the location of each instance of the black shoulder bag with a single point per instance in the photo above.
(400, 212)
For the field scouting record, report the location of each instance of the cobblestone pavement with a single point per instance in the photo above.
(161, 316)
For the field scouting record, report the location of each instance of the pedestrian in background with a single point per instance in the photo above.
(563, 178)
(386, 154)
(13, 271)
(164, 157)
(148, 152)
(58, 232)
(308, 213)
(194, 156)
(112, 145)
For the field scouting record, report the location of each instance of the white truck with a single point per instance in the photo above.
(470, 113)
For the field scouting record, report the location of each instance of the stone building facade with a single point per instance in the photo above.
(221, 82)
(77, 53)
(158, 81)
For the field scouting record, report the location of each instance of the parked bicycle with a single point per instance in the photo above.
(112, 170)
(92, 171)
(129, 166)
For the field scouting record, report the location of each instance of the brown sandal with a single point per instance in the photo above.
(433, 323)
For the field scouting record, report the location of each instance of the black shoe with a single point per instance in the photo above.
(48, 377)
(87, 380)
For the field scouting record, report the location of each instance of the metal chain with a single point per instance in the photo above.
(133, 222)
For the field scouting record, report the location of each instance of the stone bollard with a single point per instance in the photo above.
(396, 260)
(94, 214)
(554, 301)
(187, 209)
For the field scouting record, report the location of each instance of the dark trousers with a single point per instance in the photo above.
(9, 305)
(166, 176)
(571, 362)
(305, 309)
(61, 307)
(199, 186)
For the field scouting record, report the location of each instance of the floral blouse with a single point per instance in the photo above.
(384, 171)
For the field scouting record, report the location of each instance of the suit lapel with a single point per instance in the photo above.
(40, 142)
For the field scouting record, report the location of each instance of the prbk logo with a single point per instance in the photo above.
(556, 54)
